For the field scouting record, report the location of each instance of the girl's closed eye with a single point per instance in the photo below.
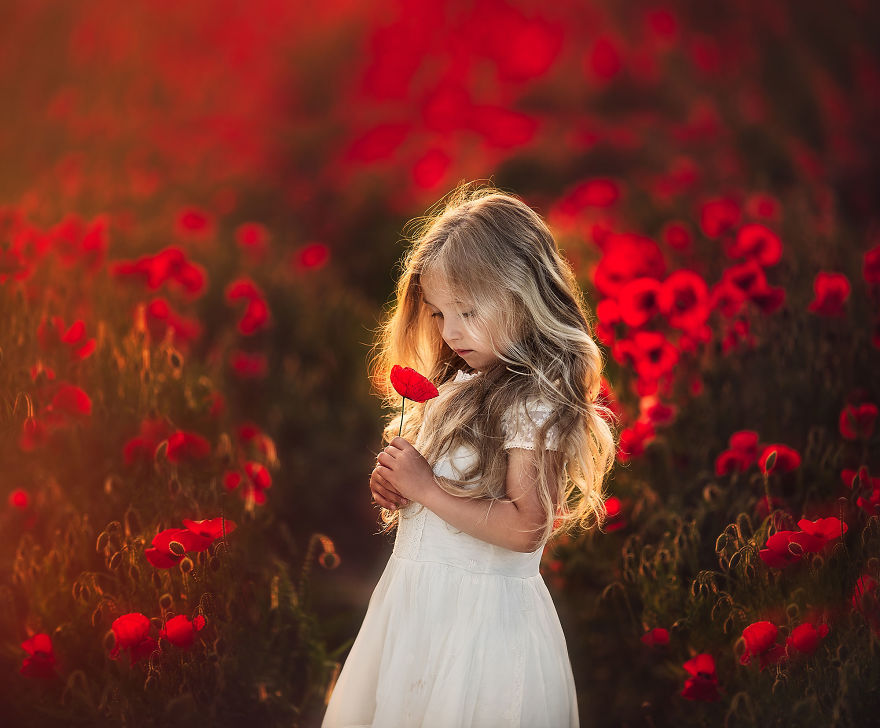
(464, 315)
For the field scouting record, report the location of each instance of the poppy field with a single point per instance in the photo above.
(201, 211)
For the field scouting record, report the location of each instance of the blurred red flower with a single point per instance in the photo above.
(152, 432)
(246, 365)
(742, 454)
(253, 238)
(627, 256)
(256, 315)
(160, 317)
(656, 637)
(40, 661)
(193, 222)
(639, 301)
(168, 265)
(181, 631)
(805, 637)
(757, 242)
(684, 300)
(20, 499)
(832, 290)
(703, 682)
(718, 216)
(760, 638)
(785, 459)
(211, 528)
(52, 334)
(871, 265)
(71, 401)
(183, 445)
(857, 421)
(132, 633)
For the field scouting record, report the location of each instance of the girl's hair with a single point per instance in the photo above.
(496, 254)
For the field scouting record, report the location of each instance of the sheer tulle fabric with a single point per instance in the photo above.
(458, 632)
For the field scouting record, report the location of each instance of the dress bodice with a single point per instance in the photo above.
(423, 536)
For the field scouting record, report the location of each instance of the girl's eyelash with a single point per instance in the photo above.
(469, 313)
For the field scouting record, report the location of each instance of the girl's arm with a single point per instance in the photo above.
(514, 524)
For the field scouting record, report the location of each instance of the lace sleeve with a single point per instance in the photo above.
(521, 426)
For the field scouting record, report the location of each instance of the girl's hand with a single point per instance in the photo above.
(404, 469)
(384, 494)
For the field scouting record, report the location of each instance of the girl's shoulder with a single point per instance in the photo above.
(522, 421)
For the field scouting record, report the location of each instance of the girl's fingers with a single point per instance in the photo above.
(384, 494)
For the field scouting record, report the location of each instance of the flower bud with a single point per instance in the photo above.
(186, 565)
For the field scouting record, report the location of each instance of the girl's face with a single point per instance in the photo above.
(448, 314)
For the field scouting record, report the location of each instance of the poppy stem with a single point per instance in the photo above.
(402, 405)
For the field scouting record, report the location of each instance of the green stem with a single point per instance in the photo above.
(402, 405)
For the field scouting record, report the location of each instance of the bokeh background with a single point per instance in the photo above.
(202, 207)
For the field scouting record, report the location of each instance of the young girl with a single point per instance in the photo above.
(461, 629)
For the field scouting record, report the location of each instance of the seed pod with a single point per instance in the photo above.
(329, 560)
(109, 640)
(166, 600)
(186, 565)
(103, 540)
(156, 622)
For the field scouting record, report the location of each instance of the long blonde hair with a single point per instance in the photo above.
(498, 254)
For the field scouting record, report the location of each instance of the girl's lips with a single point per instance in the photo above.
(463, 351)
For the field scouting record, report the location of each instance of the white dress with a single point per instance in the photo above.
(458, 633)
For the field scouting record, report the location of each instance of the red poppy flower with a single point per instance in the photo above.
(193, 222)
(40, 661)
(132, 633)
(832, 290)
(805, 637)
(677, 235)
(248, 366)
(639, 301)
(163, 556)
(785, 460)
(784, 548)
(51, 334)
(253, 238)
(20, 499)
(718, 216)
(759, 243)
(825, 529)
(71, 401)
(633, 440)
(656, 637)
(871, 265)
(411, 385)
(160, 318)
(184, 445)
(759, 638)
(703, 683)
(857, 421)
(741, 455)
(211, 528)
(684, 299)
(614, 511)
(627, 256)
(152, 432)
(181, 631)
(256, 315)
